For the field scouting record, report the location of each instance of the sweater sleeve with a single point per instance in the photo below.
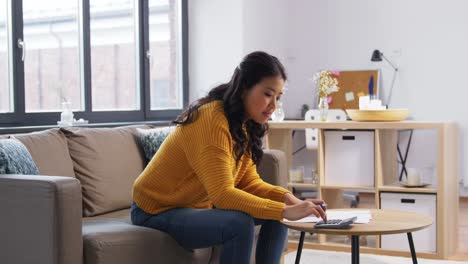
(252, 183)
(214, 170)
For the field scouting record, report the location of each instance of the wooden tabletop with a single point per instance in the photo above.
(382, 222)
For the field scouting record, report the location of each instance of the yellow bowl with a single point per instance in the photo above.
(378, 115)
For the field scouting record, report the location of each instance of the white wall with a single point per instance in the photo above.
(215, 43)
(222, 32)
(427, 39)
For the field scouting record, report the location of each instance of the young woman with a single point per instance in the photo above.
(202, 186)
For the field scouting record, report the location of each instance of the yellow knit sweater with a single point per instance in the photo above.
(195, 167)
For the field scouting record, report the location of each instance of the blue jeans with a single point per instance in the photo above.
(234, 230)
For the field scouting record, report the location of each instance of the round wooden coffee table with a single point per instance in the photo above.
(383, 222)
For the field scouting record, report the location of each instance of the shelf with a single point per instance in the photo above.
(394, 188)
(302, 185)
(339, 187)
(355, 125)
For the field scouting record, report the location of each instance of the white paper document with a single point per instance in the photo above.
(363, 217)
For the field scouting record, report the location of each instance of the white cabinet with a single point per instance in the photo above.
(349, 158)
(425, 204)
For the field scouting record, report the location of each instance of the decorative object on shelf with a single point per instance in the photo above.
(323, 108)
(66, 117)
(315, 177)
(414, 177)
(370, 103)
(296, 175)
(378, 56)
(378, 115)
(326, 84)
(422, 185)
(278, 114)
(304, 109)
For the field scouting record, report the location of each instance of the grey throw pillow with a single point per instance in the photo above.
(151, 139)
(15, 158)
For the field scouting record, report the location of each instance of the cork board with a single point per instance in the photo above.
(353, 84)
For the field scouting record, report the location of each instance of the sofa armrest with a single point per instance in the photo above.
(273, 167)
(40, 219)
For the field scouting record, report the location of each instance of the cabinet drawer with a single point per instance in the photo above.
(425, 204)
(349, 158)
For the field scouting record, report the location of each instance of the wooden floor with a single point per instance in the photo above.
(462, 253)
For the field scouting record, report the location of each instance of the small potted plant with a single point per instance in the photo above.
(304, 109)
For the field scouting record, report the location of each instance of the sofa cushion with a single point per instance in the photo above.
(114, 242)
(15, 158)
(151, 139)
(107, 161)
(120, 216)
(49, 149)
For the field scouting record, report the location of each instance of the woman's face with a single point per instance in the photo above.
(260, 101)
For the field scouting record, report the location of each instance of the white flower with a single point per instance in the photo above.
(326, 84)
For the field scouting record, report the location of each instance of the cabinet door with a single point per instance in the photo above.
(425, 204)
(349, 158)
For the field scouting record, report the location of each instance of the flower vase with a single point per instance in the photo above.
(323, 109)
(66, 117)
(278, 114)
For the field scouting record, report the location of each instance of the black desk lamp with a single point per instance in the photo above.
(377, 56)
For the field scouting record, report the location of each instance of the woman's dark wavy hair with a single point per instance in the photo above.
(253, 68)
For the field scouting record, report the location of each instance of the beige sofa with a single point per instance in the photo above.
(80, 212)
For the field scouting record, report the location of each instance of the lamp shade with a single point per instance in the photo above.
(376, 56)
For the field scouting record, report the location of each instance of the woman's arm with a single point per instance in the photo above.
(297, 208)
(251, 182)
(290, 199)
(213, 167)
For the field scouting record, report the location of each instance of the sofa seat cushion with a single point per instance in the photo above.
(49, 149)
(106, 161)
(115, 242)
(120, 215)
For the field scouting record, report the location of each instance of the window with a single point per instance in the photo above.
(51, 65)
(165, 54)
(5, 95)
(114, 60)
(113, 54)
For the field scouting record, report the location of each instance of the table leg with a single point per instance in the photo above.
(299, 248)
(411, 245)
(355, 249)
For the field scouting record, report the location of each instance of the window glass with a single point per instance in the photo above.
(4, 69)
(165, 49)
(51, 66)
(113, 55)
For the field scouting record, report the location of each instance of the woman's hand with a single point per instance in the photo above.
(319, 202)
(303, 209)
(290, 199)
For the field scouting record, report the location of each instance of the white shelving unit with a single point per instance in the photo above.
(385, 135)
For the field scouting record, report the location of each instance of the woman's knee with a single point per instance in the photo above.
(239, 224)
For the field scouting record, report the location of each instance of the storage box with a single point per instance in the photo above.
(425, 204)
(349, 158)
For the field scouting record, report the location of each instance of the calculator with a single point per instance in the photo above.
(336, 223)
